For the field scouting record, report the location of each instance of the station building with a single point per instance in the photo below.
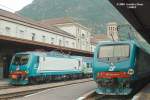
(81, 33)
(19, 34)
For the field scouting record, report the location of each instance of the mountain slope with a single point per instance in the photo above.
(91, 13)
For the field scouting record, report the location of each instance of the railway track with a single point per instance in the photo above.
(18, 94)
(8, 93)
(9, 86)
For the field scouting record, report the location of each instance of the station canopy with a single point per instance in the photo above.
(137, 12)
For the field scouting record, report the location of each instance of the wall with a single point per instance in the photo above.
(81, 33)
(70, 28)
(24, 32)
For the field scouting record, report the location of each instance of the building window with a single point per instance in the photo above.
(67, 43)
(7, 29)
(83, 43)
(21, 31)
(78, 40)
(113, 28)
(82, 34)
(52, 40)
(87, 42)
(73, 44)
(43, 38)
(33, 36)
(60, 42)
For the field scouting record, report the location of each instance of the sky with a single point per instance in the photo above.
(13, 5)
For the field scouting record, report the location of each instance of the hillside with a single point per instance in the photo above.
(91, 13)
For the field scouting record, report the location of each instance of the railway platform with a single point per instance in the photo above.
(144, 94)
(4, 82)
(8, 92)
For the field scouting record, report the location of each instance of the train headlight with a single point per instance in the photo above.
(130, 71)
(26, 72)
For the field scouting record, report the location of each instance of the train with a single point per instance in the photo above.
(37, 67)
(119, 67)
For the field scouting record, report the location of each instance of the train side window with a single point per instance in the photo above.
(38, 59)
(88, 65)
(43, 58)
(79, 63)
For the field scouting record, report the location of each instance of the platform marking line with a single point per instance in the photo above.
(36, 93)
(137, 96)
(48, 90)
(81, 98)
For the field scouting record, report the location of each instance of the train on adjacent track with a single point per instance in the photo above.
(119, 66)
(36, 67)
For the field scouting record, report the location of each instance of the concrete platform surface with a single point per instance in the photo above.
(41, 86)
(69, 92)
(144, 94)
(4, 82)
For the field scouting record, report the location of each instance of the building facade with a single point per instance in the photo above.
(66, 33)
(22, 30)
(81, 33)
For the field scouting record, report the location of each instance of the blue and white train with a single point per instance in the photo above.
(36, 67)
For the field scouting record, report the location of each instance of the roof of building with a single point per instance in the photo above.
(112, 23)
(55, 21)
(61, 21)
(20, 18)
(98, 37)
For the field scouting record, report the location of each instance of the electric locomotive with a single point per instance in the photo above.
(36, 67)
(118, 66)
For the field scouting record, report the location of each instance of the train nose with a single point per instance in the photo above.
(18, 75)
(111, 75)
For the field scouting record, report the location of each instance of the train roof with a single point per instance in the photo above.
(49, 54)
(33, 52)
(142, 45)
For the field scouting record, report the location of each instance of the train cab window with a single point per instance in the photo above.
(114, 52)
(20, 59)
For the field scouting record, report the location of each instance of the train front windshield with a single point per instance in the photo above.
(108, 52)
(20, 59)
